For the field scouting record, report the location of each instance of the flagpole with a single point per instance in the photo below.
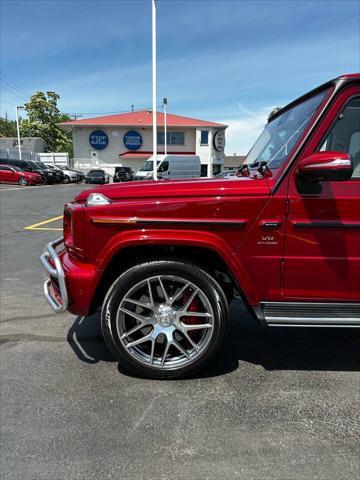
(154, 88)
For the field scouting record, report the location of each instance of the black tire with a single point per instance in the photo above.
(202, 281)
(66, 179)
(23, 181)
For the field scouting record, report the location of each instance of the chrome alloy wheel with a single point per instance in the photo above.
(165, 321)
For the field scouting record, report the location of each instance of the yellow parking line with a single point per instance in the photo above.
(37, 226)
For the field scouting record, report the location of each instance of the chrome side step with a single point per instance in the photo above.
(309, 314)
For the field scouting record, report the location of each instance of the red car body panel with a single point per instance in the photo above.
(12, 175)
(279, 245)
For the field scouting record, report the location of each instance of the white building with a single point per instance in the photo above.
(126, 139)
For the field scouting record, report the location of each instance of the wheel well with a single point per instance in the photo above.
(205, 258)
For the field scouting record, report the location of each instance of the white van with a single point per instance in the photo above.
(170, 167)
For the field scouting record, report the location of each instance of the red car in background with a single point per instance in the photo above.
(10, 174)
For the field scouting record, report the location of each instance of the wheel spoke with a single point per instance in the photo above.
(137, 316)
(180, 348)
(199, 326)
(178, 295)
(138, 303)
(165, 353)
(190, 300)
(133, 330)
(152, 351)
(139, 341)
(189, 339)
(166, 296)
(150, 294)
(195, 314)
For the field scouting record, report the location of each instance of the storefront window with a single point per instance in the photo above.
(173, 138)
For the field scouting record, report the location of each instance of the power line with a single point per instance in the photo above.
(15, 85)
(11, 92)
(8, 103)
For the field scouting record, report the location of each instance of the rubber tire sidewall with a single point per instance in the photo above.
(135, 274)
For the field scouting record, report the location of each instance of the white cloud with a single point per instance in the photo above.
(244, 130)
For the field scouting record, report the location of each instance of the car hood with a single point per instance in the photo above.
(181, 188)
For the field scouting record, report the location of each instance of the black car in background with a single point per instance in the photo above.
(97, 176)
(47, 175)
(123, 174)
(59, 174)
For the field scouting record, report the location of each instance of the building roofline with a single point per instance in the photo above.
(139, 119)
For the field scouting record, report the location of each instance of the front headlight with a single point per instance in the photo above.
(97, 199)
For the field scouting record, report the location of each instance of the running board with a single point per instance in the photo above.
(308, 314)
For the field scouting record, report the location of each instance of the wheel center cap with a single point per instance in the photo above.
(166, 315)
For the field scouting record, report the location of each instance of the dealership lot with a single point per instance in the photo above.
(277, 404)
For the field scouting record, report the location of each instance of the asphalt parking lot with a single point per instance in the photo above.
(276, 404)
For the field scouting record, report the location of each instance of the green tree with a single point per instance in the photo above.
(7, 128)
(43, 116)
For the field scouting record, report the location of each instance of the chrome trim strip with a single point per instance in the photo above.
(57, 272)
(233, 223)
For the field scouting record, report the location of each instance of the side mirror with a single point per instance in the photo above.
(322, 166)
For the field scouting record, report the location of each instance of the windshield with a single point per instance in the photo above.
(148, 166)
(96, 173)
(37, 166)
(42, 165)
(281, 135)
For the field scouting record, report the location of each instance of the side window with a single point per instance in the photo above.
(6, 169)
(344, 135)
(164, 166)
(204, 137)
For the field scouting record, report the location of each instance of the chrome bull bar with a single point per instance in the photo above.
(55, 271)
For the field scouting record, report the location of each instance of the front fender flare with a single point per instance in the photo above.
(210, 241)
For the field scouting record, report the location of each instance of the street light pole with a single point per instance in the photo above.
(18, 128)
(153, 15)
(165, 127)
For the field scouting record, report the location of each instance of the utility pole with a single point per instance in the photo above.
(18, 127)
(165, 127)
(153, 17)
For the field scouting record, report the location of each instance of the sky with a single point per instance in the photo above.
(224, 61)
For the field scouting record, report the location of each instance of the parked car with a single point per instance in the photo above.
(69, 176)
(11, 174)
(123, 174)
(171, 167)
(164, 259)
(47, 175)
(80, 175)
(59, 174)
(97, 176)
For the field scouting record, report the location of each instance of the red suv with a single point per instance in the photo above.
(164, 259)
(11, 174)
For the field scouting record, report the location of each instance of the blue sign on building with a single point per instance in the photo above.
(98, 139)
(132, 140)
